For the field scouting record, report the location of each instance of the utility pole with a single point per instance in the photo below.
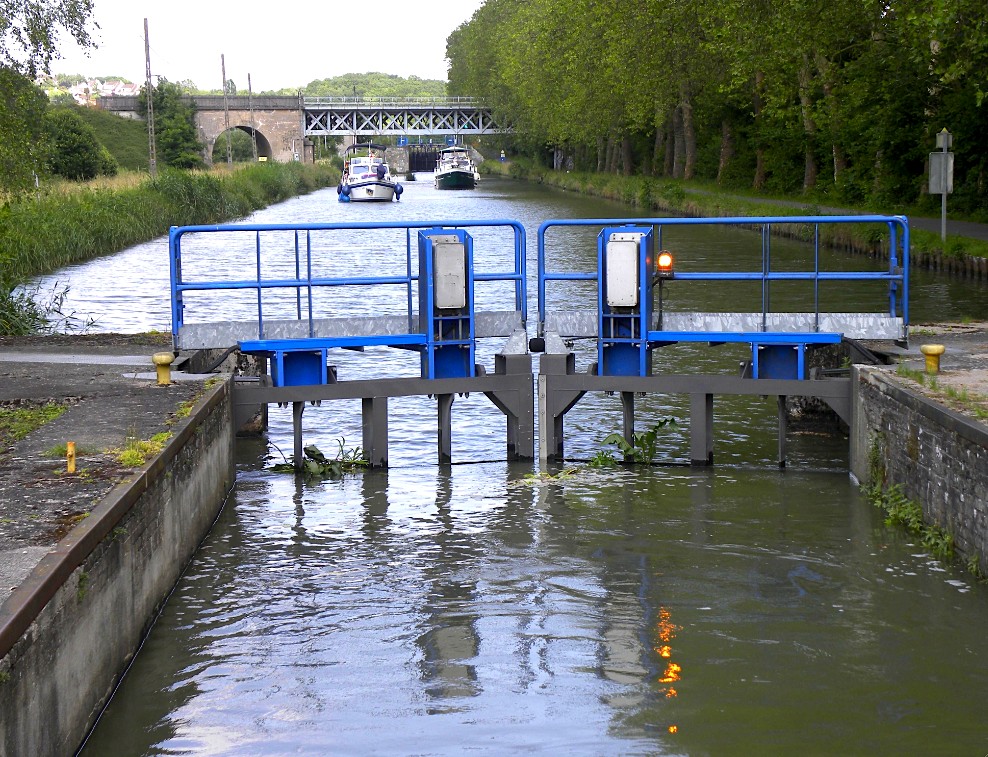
(250, 107)
(152, 151)
(226, 114)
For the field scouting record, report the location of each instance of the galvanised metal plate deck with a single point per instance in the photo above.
(581, 324)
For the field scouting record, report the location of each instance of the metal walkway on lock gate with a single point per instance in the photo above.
(287, 274)
(632, 319)
(287, 283)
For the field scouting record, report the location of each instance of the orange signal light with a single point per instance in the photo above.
(665, 264)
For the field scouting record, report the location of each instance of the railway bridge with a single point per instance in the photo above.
(285, 125)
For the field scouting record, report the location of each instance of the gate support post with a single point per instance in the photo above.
(297, 408)
(628, 418)
(701, 429)
(518, 405)
(554, 403)
(783, 426)
(374, 414)
(445, 428)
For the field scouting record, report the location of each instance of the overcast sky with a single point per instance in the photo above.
(279, 44)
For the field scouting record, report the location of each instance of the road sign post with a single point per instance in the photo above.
(942, 176)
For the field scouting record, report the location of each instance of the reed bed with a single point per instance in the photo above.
(64, 225)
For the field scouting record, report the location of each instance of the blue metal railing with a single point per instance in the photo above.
(306, 284)
(897, 275)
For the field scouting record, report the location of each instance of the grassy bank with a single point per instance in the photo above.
(62, 226)
(689, 199)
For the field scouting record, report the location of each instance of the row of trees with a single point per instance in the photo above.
(839, 99)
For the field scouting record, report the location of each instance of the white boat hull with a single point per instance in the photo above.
(372, 190)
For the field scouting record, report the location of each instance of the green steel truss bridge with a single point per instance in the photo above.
(354, 116)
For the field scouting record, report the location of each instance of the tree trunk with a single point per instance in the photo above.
(689, 137)
(840, 158)
(840, 162)
(601, 154)
(659, 150)
(759, 180)
(726, 149)
(679, 139)
(809, 125)
(627, 155)
(670, 160)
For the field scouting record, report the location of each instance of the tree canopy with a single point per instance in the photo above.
(176, 141)
(29, 31)
(22, 149)
(840, 99)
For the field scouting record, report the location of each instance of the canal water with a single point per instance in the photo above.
(495, 608)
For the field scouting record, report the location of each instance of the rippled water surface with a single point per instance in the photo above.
(493, 608)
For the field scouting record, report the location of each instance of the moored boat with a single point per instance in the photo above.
(455, 169)
(366, 176)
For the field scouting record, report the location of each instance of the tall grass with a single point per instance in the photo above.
(41, 233)
(59, 227)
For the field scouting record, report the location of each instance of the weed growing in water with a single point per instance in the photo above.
(316, 465)
(643, 445)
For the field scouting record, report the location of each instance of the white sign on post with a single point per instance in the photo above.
(940, 172)
(942, 176)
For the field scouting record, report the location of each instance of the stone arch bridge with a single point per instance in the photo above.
(283, 126)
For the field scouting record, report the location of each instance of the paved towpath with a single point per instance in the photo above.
(109, 387)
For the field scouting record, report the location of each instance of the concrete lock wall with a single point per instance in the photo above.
(61, 672)
(940, 457)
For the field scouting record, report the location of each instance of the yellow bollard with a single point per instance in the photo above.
(70, 456)
(163, 362)
(933, 353)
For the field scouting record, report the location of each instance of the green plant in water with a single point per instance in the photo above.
(315, 464)
(533, 479)
(901, 511)
(603, 459)
(974, 567)
(643, 444)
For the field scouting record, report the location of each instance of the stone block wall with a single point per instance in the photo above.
(939, 456)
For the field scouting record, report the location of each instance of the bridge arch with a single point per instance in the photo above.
(278, 132)
(241, 139)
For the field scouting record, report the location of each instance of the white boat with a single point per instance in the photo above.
(455, 169)
(366, 176)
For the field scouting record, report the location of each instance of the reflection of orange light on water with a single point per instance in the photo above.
(664, 651)
(667, 629)
(673, 728)
(671, 673)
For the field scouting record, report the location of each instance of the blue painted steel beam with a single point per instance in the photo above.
(751, 337)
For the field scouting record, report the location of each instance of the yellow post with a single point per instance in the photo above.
(933, 353)
(163, 362)
(70, 456)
